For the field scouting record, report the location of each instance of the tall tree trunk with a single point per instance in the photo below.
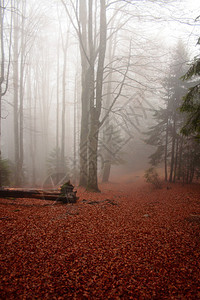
(44, 102)
(95, 109)
(57, 112)
(4, 76)
(92, 183)
(173, 149)
(106, 171)
(166, 149)
(75, 131)
(84, 95)
(1, 70)
(35, 114)
(188, 164)
(180, 167)
(63, 107)
(21, 97)
(16, 93)
(32, 127)
(84, 134)
(176, 159)
(107, 141)
(107, 134)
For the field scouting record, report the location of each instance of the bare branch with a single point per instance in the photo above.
(119, 92)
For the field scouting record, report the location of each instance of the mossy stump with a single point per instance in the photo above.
(68, 195)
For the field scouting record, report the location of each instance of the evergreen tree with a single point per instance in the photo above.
(191, 101)
(165, 134)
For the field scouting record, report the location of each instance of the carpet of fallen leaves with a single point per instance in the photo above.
(127, 242)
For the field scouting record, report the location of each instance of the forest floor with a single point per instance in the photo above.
(128, 242)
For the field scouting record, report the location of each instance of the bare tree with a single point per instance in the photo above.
(91, 29)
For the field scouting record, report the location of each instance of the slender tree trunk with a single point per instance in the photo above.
(21, 93)
(173, 149)
(75, 131)
(35, 130)
(0, 138)
(84, 95)
(63, 107)
(2, 71)
(44, 102)
(4, 77)
(192, 169)
(188, 164)
(57, 112)
(108, 151)
(180, 168)
(84, 135)
(176, 160)
(172, 159)
(29, 97)
(166, 149)
(107, 145)
(16, 94)
(92, 183)
(32, 127)
(106, 171)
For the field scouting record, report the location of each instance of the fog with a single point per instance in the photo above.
(78, 77)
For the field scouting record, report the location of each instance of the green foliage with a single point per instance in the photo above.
(5, 172)
(191, 101)
(191, 106)
(152, 177)
(171, 147)
(193, 70)
(157, 157)
(192, 125)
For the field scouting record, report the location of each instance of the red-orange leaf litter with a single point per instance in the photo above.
(127, 242)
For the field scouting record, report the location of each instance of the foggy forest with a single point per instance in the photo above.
(99, 149)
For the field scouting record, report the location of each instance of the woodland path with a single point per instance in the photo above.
(128, 242)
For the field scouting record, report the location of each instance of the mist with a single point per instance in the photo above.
(99, 149)
(81, 86)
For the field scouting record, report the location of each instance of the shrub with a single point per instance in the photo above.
(5, 171)
(152, 177)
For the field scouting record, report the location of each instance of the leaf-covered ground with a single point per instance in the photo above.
(127, 242)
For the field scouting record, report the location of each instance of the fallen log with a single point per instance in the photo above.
(39, 194)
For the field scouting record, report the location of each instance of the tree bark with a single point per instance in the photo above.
(4, 76)
(176, 160)
(21, 97)
(95, 110)
(16, 94)
(2, 69)
(180, 154)
(173, 149)
(63, 106)
(57, 110)
(84, 94)
(166, 149)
